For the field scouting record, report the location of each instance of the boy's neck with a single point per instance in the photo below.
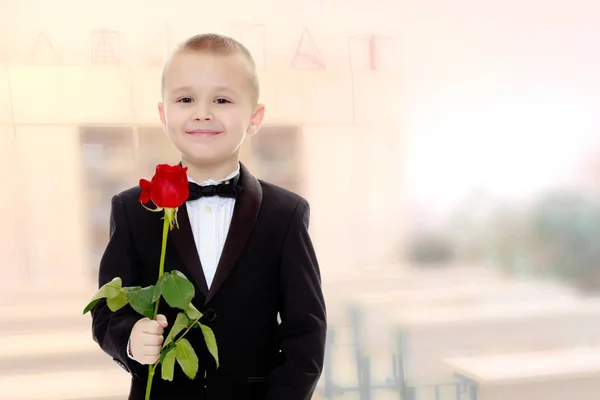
(201, 173)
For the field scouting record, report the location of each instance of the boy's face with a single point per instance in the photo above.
(209, 106)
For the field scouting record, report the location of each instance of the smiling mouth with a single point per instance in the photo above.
(203, 132)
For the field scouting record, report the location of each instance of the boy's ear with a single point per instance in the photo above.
(257, 119)
(161, 113)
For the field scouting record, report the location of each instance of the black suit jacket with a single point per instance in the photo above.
(268, 266)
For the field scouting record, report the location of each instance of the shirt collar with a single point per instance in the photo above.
(213, 182)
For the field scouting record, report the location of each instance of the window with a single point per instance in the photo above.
(276, 154)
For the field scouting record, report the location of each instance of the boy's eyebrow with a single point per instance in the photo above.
(189, 88)
(224, 88)
(181, 89)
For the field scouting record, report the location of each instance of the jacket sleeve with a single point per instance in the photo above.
(303, 326)
(112, 330)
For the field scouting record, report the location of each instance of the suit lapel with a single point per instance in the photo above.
(183, 239)
(244, 217)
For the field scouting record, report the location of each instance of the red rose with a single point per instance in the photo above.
(168, 188)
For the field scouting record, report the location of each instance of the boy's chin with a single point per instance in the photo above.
(209, 159)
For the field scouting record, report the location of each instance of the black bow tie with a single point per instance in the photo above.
(225, 189)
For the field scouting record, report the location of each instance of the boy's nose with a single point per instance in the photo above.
(203, 114)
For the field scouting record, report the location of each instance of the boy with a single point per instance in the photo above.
(248, 253)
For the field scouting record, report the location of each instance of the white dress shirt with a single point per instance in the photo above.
(210, 218)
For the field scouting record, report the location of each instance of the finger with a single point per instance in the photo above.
(153, 340)
(153, 360)
(147, 351)
(142, 321)
(152, 351)
(153, 328)
(149, 360)
(162, 320)
(144, 356)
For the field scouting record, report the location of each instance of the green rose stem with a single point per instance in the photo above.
(170, 192)
(169, 222)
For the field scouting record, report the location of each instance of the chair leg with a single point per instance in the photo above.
(328, 365)
(365, 379)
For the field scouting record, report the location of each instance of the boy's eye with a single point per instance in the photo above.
(222, 101)
(185, 100)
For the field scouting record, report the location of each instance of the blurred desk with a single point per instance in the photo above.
(425, 337)
(568, 374)
(374, 310)
(342, 286)
(48, 353)
(80, 385)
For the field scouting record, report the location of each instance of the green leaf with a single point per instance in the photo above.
(156, 294)
(166, 351)
(90, 306)
(187, 358)
(181, 323)
(167, 367)
(108, 290)
(177, 290)
(117, 302)
(141, 301)
(211, 342)
(192, 312)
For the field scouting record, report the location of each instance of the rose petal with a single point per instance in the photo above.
(169, 186)
(146, 187)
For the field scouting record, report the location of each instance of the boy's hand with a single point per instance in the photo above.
(145, 342)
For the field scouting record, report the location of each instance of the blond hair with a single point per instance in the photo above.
(219, 45)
